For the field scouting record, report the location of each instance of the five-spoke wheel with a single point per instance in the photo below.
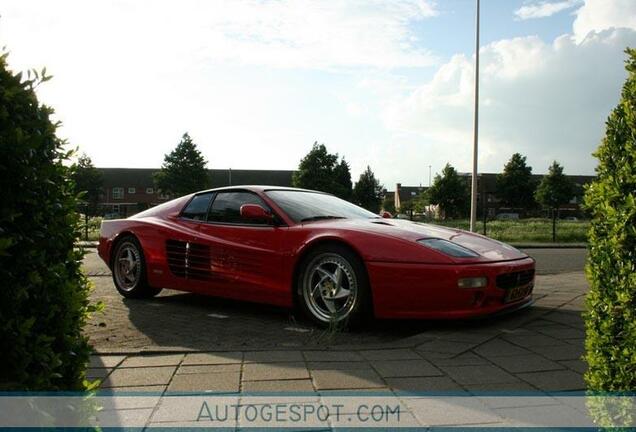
(129, 269)
(332, 286)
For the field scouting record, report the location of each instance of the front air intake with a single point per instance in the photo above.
(188, 260)
(515, 279)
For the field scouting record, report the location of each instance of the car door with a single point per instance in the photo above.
(246, 258)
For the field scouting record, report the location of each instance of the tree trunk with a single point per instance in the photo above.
(86, 225)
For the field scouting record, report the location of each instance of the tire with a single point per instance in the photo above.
(128, 266)
(327, 302)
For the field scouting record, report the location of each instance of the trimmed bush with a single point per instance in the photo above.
(44, 295)
(610, 318)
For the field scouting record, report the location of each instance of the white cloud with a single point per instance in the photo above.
(599, 15)
(548, 101)
(544, 9)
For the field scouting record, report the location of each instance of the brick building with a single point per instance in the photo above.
(126, 191)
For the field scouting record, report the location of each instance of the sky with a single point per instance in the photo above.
(385, 84)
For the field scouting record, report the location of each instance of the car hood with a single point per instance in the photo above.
(487, 248)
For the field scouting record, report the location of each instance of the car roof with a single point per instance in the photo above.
(261, 188)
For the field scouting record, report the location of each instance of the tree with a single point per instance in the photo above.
(183, 170)
(610, 319)
(367, 192)
(44, 297)
(421, 202)
(88, 183)
(515, 186)
(554, 190)
(320, 170)
(450, 192)
(388, 204)
(342, 177)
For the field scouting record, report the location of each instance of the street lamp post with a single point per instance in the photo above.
(473, 189)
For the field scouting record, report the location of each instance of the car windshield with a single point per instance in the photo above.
(304, 206)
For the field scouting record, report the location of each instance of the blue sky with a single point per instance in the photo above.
(389, 84)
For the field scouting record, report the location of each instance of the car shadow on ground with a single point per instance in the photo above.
(198, 322)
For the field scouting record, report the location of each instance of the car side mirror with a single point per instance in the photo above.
(386, 215)
(255, 212)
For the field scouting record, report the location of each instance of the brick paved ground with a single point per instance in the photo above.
(182, 343)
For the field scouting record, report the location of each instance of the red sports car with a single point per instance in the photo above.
(294, 247)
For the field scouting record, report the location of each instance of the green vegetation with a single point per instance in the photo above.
(183, 170)
(320, 170)
(611, 316)
(515, 186)
(368, 191)
(554, 190)
(89, 227)
(450, 192)
(526, 230)
(44, 297)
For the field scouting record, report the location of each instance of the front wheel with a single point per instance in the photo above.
(333, 287)
(129, 270)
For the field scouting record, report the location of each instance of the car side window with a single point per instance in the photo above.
(226, 207)
(197, 208)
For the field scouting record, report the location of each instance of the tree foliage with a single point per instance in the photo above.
(554, 190)
(450, 192)
(44, 296)
(367, 192)
(515, 186)
(184, 170)
(611, 268)
(320, 170)
(88, 183)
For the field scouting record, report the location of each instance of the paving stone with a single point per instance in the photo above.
(97, 373)
(152, 360)
(220, 368)
(405, 368)
(272, 356)
(212, 358)
(274, 371)
(499, 348)
(154, 389)
(486, 374)
(555, 380)
(552, 416)
(124, 417)
(466, 359)
(351, 379)
(139, 376)
(105, 361)
(498, 388)
(525, 363)
(470, 336)
(338, 365)
(561, 332)
(294, 385)
(576, 365)
(390, 354)
(564, 351)
(335, 356)
(532, 340)
(227, 382)
(442, 346)
(452, 411)
(424, 384)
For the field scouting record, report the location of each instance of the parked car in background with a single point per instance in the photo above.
(300, 248)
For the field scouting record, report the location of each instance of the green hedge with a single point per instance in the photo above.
(44, 295)
(611, 269)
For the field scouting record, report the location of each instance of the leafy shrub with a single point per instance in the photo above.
(611, 269)
(44, 295)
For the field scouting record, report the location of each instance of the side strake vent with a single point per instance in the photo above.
(188, 260)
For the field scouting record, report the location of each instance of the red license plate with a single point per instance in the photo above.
(517, 293)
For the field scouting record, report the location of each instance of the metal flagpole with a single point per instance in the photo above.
(473, 189)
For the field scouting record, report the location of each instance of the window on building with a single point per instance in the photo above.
(413, 193)
(118, 193)
(226, 207)
(197, 208)
(150, 191)
(132, 190)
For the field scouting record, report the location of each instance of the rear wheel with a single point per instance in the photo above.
(129, 270)
(333, 288)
